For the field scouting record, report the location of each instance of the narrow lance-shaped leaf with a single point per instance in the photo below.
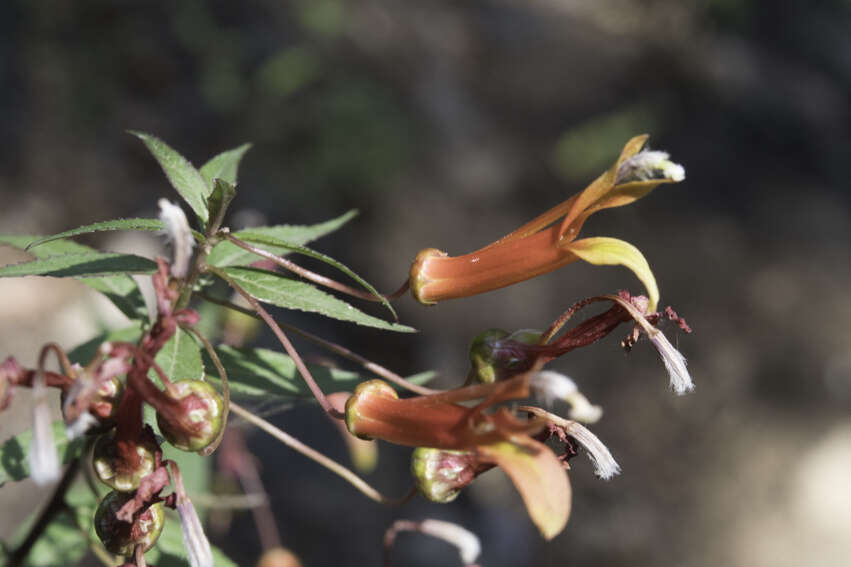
(104, 226)
(228, 254)
(265, 242)
(120, 289)
(181, 174)
(83, 265)
(282, 291)
(224, 166)
(539, 478)
(605, 251)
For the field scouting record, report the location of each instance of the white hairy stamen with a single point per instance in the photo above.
(44, 463)
(605, 465)
(548, 386)
(179, 234)
(467, 543)
(675, 363)
(647, 165)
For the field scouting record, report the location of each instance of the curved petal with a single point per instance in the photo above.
(539, 478)
(605, 251)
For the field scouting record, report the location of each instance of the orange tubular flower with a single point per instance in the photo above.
(500, 439)
(544, 245)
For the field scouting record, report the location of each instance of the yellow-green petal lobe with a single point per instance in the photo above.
(605, 251)
(538, 476)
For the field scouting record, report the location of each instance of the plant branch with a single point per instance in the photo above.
(367, 364)
(319, 458)
(282, 337)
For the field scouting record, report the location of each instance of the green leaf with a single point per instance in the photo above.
(182, 175)
(87, 264)
(103, 226)
(224, 166)
(282, 291)
(61, 544)
(180, 359)
(258, 373)
(14, 463)
(120, 289)
(227, 254)
(268, 242)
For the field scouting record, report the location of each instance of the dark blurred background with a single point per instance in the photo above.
(448, 124)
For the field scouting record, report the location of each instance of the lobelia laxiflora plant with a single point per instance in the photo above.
(133, 399)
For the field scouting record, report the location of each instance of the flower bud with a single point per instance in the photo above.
(118, 470)
(122, 537)
(278, 557)
(102, 406)
(441, 474)
(363, 395)
(495, 354)
(418, 278)
(202, 408)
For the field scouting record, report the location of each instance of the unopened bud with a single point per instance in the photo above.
(441, 474)
(364, 393)
(122, 537)
(495, 353)
(202, 407)
(102, 406)
(278, 557)
(118, 470)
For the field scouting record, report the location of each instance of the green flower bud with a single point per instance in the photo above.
(359, 403)
(122, 537)
(202, 408)
(494, 353)
(441, 474)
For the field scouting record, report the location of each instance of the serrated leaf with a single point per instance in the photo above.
(87, 264)
(268, 242)
(227, 254)
(181, 174)
(289, 293)
(257, 374)
(180, 358)
(103, 226)
(224, 166)
(14, 463)
(120, 289)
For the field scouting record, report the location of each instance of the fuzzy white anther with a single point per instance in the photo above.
(647, 165)
(605, 465)
(548, 386)
(179, 234)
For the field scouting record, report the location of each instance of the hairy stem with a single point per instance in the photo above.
(367, 364)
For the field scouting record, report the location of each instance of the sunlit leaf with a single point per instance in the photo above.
(87, 264)
(227, 254)
(103, 226)
(605, 251)
(220, 199)
(539, 478)
(224, 166)
(181, 174)
(282, 291)
(120, 289)
(268, 243)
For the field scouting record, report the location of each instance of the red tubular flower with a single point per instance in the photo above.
(544, 245)
(500, 439)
